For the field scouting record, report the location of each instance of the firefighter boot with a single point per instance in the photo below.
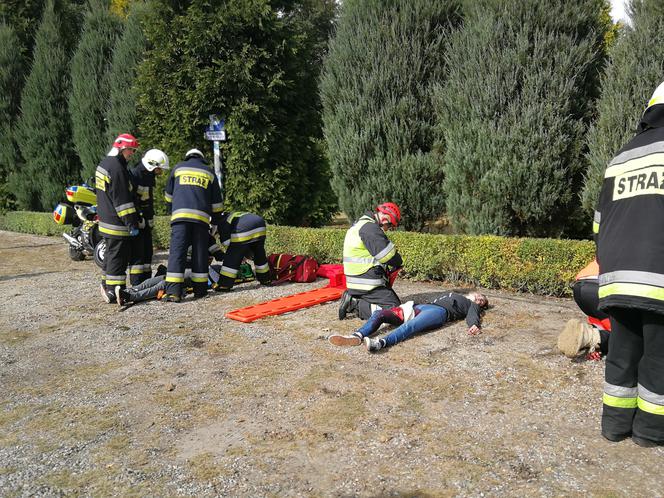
(347, 305)
(576, 337)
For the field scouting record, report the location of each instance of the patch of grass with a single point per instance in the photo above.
(205, 467)
(337, 413)
(9, 416)
(13, 337)
(70, 424)
(107, 481)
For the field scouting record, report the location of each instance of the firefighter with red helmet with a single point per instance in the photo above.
(368, 258)
(118, 219)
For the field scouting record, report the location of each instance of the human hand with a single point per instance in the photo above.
(474, 330)
(213, 230)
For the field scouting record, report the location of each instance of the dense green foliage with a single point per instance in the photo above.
(89, 98)
(253, 63)
(11, 80)
(44, 128)
(522, 80)
(376, 87)
(635, 69)
(542, 266)
(129, 51)
(23, 16)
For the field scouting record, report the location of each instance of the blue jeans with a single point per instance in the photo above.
(429, 317)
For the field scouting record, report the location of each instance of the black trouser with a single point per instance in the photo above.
(184, 234)
(235, 253)
(115, 262)
(383, 297)
(140, 261)
(587, 299)
(634, 387)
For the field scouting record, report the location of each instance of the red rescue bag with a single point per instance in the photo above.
(290, 268)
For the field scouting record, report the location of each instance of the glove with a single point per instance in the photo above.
(141, 224)
(133, 232)
(213, 230)
(151, 222)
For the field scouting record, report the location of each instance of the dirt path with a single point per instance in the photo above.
(175, 400)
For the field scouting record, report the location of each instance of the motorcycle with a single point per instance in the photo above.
(80, 211)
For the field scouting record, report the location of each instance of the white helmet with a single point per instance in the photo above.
(153, 159)
(193, 153)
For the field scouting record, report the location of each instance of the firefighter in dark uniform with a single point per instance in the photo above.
(630, 253)
(194, 199)
(243, 235)
(368, 257)
(143, 180)
(118, 219)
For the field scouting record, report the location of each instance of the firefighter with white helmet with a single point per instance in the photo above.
(193, 197)
(368, 255)
(118, 217)
(143, 180)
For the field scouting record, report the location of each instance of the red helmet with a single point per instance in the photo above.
(391, 210)
(125, 141)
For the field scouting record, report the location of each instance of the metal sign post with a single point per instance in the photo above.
(217, 133)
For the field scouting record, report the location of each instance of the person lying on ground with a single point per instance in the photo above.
(155, 287)
(413, 319)
(589, 336)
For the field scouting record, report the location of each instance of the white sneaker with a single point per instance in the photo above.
(345, 340)
(372, 345)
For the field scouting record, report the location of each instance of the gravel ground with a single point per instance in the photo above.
(175, 400)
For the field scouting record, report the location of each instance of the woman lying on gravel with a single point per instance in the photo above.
(413, 319)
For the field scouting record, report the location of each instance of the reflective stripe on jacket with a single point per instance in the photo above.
(241, 228)
(367, 251)
(192, 193)
(115, 199)
(630, 239)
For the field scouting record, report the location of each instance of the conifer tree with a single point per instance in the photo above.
(129, 51)
(376, 88)
(253, 63)
(11, 79)
(89, 98)
(44, 128)
(636, 68)
(513, 113)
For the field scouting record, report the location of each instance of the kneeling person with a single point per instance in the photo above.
(368, 254)
(243, 235)
(591, 335)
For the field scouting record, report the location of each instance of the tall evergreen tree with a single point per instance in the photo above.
(22, 15)
(377, 104)
(11, 82)
(635, 69)
(253, 63)
(129, 51)
(89, 98)
(513, 113)
(44, 128)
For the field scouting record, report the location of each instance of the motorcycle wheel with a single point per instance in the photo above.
(100, 253)
(75, 254)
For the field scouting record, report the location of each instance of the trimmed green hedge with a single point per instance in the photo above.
(540, 266)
